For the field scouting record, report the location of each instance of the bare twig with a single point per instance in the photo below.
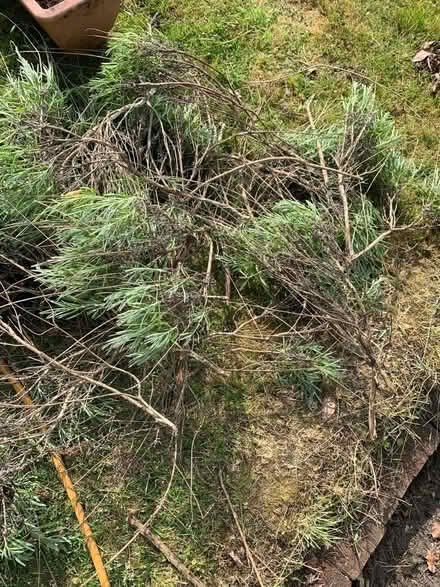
(376, 241)
(242, 536)
(347, 227)
(391, 221)
(227, 284)
(246, 202)
(137, 401)
(208, 270)
(144, 531)
(372, 406)
(318, 143)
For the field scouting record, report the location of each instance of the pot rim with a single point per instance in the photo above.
(53, 12)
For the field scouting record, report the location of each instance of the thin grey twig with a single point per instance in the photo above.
(242, 536)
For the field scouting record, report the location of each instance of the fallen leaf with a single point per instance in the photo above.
(435, 83)
(235, 558)
(328, 408)
(435, 530)
(429, 45)
(421, 55)
(431, 559)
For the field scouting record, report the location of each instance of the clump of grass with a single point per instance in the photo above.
(23, 532)
(32, 108)
(227, 35)
(320, 367)
(419, 19)
(319, 527)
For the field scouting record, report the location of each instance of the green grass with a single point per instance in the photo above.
(129, 473)
(227, 34)
(344, 40)
(376, 40)
(289, 52)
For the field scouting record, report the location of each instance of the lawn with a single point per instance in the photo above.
(249, 247)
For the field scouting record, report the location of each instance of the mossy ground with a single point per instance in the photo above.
(284, 467)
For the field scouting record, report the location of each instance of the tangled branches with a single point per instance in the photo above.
(174, 186)
(164, 216)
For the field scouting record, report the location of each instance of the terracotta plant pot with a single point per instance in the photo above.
(76, 24)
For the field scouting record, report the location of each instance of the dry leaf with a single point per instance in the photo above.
(235, 558)
(431, 559)
(435, 83)
(429, 45)
(328, 408)
(421, 55)
(435, 530)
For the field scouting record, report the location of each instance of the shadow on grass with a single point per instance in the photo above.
(127, 468)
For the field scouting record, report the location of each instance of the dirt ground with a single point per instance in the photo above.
(401, 558)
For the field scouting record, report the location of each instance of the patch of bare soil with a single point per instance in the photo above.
(409, 553)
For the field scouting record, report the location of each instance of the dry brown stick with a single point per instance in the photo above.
(318, 143)
(347, 227)
(208, 270)
(372, 407)
(163, 548)
(246, 202)
(391, 221)
(380, 238)
(227, 284)
(243, 537)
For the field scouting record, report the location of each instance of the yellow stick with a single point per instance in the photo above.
(67, 482)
